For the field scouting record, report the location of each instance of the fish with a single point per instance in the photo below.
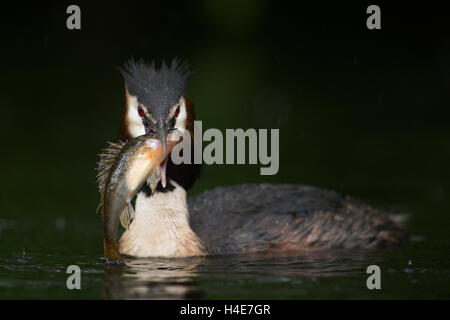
(122, 170)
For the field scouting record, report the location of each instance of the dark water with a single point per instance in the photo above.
(35, 268)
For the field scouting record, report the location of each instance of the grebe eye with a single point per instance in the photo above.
(177, 112)
(141, 112)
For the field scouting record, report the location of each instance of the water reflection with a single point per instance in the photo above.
(158, 278)
(153, 278)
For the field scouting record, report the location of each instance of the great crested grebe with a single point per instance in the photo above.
(229, 220)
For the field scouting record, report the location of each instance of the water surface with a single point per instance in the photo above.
(36, 254)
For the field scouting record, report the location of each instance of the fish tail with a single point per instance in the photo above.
(111, 252)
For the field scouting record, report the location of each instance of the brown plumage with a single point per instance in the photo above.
(279, 217)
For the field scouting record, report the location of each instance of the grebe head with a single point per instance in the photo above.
(154, 98)
(156, 103)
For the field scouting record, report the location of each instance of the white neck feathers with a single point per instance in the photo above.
(161, 227)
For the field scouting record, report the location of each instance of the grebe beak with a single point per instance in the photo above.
(161, 132)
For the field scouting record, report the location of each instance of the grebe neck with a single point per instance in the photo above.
(161, 227)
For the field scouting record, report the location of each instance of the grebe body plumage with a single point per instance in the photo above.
(280, 217)
(250, 218)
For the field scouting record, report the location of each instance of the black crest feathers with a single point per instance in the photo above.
(158, 89)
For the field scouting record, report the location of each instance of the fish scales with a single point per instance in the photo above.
(122, 170)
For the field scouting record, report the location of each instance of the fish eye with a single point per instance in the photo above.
(141, 111)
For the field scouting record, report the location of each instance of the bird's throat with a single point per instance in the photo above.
(161, 227)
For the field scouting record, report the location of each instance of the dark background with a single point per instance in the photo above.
(359, 111)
